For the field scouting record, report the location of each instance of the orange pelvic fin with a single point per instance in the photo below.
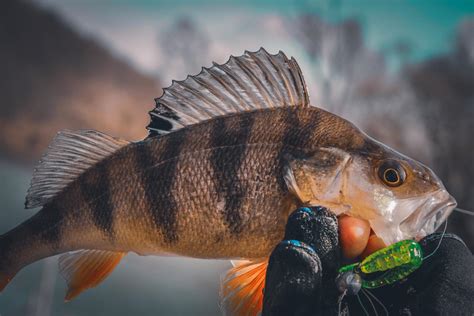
(242, 288)
(86, 269)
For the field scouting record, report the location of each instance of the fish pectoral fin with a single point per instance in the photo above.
(85, 269)
(242, 288)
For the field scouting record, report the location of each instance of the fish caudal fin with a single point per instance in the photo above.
(4, 280)
(242, 288)
(86, 269)
(5, 270)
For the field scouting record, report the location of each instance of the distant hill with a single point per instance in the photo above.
(53, 78)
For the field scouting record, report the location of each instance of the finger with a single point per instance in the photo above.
(293, 280)
(353, 235)
(375, 243)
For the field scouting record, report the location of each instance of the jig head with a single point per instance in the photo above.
(383, 267)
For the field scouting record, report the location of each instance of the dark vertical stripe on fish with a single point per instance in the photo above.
(229, 145)
(95, 189)
(295, 134)
(46, 225)
(158, 181)
(54, 224)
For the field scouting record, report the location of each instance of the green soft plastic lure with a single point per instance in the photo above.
(383, 267)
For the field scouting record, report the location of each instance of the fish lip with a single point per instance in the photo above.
(442, 209)
(423, 221)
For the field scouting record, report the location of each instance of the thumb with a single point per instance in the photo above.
(293, 281)
(318, 228)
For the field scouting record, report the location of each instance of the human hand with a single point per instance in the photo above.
(303, 267)
(302, 271)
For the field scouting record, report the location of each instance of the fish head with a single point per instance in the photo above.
(400, 197)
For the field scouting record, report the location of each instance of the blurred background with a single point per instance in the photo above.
(401, 70)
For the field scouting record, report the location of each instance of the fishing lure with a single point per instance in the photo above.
(381, 268)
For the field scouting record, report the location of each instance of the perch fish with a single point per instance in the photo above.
(230, 153)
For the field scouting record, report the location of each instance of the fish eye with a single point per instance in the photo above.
(392, 173)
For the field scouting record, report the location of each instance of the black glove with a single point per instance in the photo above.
(302, 271)
(303, 267)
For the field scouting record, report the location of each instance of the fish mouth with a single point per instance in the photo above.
(429, 216)
(358, 238)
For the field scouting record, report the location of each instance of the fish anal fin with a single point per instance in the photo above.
(242, 288)
(86, 269)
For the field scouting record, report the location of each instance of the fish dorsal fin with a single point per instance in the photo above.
(68, 156)
(255, 80)
(242, 288)
(85, 269)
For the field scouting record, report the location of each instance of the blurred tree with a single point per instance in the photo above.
(334, 47)
(184, 46)
(352, 80)
(444, 87)
(465, 41)
(403, 50)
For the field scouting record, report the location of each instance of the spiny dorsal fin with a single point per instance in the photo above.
(242, 288)
(255, 80)
(68, 156)
(85, 269)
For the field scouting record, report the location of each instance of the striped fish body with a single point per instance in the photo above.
(209, 181)
(213, 190)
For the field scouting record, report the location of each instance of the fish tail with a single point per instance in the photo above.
(27, 243)
(7, 270)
